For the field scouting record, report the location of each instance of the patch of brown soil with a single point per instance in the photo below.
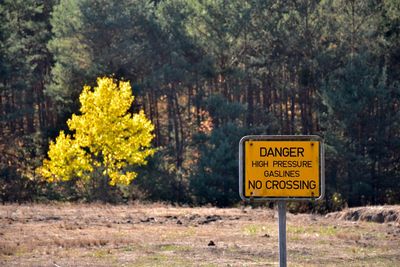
(161, 235)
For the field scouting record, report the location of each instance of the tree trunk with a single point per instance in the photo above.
(179, 134)
(250, 103)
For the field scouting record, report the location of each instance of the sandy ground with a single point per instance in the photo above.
(160, 235)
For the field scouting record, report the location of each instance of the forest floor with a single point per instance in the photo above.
(161, 235)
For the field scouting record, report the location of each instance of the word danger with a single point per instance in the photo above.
(283, 184)
(282, 152)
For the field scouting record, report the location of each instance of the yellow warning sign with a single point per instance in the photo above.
(285, 167)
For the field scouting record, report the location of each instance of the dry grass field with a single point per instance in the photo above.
(160, 235)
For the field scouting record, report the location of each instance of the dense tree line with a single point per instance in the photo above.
(206, 73)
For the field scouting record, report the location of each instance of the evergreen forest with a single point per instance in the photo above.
(205, 73)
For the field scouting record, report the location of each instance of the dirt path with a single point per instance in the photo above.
(157, 235)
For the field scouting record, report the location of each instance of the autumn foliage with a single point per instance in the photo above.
(106, 139)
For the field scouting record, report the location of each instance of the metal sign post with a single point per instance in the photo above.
(282, 233)
(281, 168)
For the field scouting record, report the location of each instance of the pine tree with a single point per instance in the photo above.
(25, 113)
(216, 177)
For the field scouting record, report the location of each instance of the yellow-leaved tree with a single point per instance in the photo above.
(106, 140)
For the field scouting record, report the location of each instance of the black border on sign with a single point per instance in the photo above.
(242, 158)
